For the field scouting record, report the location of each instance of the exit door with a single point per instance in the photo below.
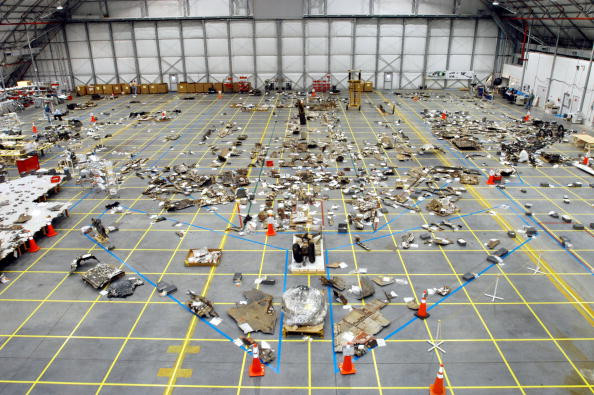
(388, 80)
(173, 82)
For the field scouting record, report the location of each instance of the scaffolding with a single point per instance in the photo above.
(355, 89)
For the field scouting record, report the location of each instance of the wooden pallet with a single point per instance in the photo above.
(316, 330)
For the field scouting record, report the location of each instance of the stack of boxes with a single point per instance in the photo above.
(119, 89)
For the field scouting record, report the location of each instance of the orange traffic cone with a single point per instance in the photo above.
(347, 366)
(437, 388)
(585, 161)
(270, 231)
(527, 117)
(93, 119)
(422, 312)
(256, 368)
(220, 95)
(34, 128)
(313, 93)
(50, 231)
(491, 180)
(444, 116)
(33, 247)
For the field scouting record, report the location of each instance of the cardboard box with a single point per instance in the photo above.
(227, 88)
(218, 86)
(117, 89)
(153, 89)
(236, 87)
(107, 89)
(24, 83)
(144, 89)
(126, 90)
(368, 86)
(207, 86)
(90, 90)
(162, 88)
(199, 87)
(182, 87)
(81, 90)
(98, 89)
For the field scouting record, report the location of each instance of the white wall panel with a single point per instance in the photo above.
(392, 7)
(76, 32)
(341, 28)
(125, 9)
(216, 29)
(148, 66)
(78, 49)
(121, 31)
(265, 46)
(292, 29)
(265, 29)
(348, 7)
(436, 7)
(209, 7)
(265, 64)
(192, 29)
(168, 30)
(241, 46)
(293, 64)
(316, 46)
(170, 47)
(101, 49)
(217, 47)
(163, 7)
(340, 63)
(292, 46)
(365, 45)
(144, 30)
(98, 31)
(243, 65)
(193, 47)
(341, 45)
(126, 65)
(146, 48)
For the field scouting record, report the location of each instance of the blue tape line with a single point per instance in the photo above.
(173, 298)
(80, 200)
(282, 315)
(461, 286)
(331, 308)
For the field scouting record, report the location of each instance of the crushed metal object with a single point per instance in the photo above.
(304, 306)
(360, 325)
(124, 287)
(80, 260)
(200, 306)
(257, 315)
(102, 274)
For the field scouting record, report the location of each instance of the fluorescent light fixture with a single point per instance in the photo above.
(59, 7)
(495, 3)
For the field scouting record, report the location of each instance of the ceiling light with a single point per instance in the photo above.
(59, 7)
(495, 3)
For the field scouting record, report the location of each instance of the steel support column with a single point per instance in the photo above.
(158, 52)
(353, 43)
(90, 54)
(279, 50)
(497, 51)
(552, 66)
(525, 60)
(585, 90)
(68, 58)
(134, 49)
(401, 54)
(229, 48)
(115, 61)
(426, 54)
(205, 51)
(329, 64)
(476, 22)
(255, 60)
(451, 36)
(377, 41)
(183, 50)
(304, 29)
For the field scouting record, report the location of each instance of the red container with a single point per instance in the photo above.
(55, 179)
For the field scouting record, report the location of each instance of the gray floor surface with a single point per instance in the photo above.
(59, 336)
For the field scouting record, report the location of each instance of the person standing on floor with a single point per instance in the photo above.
(47, 112)
(529, 101)
(134, 87)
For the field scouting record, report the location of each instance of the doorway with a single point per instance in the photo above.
(388, 80)
(173, 82)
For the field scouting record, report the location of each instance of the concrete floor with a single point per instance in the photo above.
(59, 336)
